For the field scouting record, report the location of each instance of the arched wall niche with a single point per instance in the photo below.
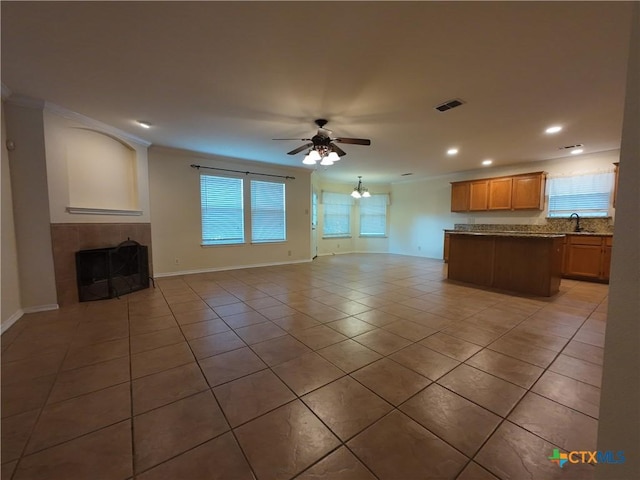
(101, 171)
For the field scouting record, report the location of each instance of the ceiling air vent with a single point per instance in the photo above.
(569, 147)
(443, 107)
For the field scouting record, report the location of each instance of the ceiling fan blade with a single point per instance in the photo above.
(297, 139)
(338, 150)
(299, 149)
(353, 141)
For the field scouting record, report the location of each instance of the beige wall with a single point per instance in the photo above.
(176, 224)
(420, 210)
(619, 425)
(10, 289)
(31, 206)
(91, 167)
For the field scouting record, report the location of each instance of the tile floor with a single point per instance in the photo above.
(350, 367)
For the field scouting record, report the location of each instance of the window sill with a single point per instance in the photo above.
(374, 236)
(336, 238)
(215, 245)
(581, 217)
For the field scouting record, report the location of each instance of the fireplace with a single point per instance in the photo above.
(110, 272)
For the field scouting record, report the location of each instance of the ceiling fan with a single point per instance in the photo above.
(323, 143)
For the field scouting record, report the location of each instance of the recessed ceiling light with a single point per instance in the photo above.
(143, 124)
(452, 151)
(553, 129)
(487, 162)
(577, 151)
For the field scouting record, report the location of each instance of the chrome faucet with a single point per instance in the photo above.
(578, 228)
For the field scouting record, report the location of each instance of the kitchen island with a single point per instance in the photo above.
(523, 263)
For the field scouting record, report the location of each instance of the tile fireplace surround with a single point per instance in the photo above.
(68, 238)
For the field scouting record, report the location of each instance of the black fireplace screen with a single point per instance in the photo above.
(110, 272)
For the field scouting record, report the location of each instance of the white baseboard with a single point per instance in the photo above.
(334, 253)
(41, 308)
(22, 311)
(11, 320)
(224, 269)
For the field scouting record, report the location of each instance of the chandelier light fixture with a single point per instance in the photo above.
(360, 191)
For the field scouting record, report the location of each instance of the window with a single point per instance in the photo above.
(373, 215)
(267, 212)
(337, 214)
(587, 195)
(222, 210)
(314, 210)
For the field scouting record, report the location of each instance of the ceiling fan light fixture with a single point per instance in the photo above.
(307, 160)
(355, 193)
(314, 155)
(333, 156)
(326, 162)
(366, 194)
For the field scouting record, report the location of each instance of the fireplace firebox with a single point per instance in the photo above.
(110, 272)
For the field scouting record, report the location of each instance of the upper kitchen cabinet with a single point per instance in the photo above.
(500, 193)
(528, 191)
(516, 192)
(460, 197)
(478, 195)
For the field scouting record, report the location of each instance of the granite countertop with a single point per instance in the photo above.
(523, 234)
(507, 234)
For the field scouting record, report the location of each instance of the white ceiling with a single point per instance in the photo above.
(227, 77)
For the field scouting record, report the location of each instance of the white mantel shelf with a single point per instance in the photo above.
(102, 211)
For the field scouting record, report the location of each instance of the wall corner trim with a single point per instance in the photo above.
(11, 320)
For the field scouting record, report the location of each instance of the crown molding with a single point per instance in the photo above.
(24, 101)
(95, 124)
(6, 91)
(29, 102)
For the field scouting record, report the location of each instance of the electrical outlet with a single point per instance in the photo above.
(289, 253)
(338, 246)
(419, 248)
(177, 261)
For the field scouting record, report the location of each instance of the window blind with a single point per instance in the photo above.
(373, 215)
(268, 214)
(337, 214)
(222, 210)
(587, 195)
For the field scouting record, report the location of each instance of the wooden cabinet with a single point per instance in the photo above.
(445, 251)
(528, 191)
(478, 195)
(588, 257)
(516, 192)
(460, 197)
(500, 193)
(521, 263)
(606, 258)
